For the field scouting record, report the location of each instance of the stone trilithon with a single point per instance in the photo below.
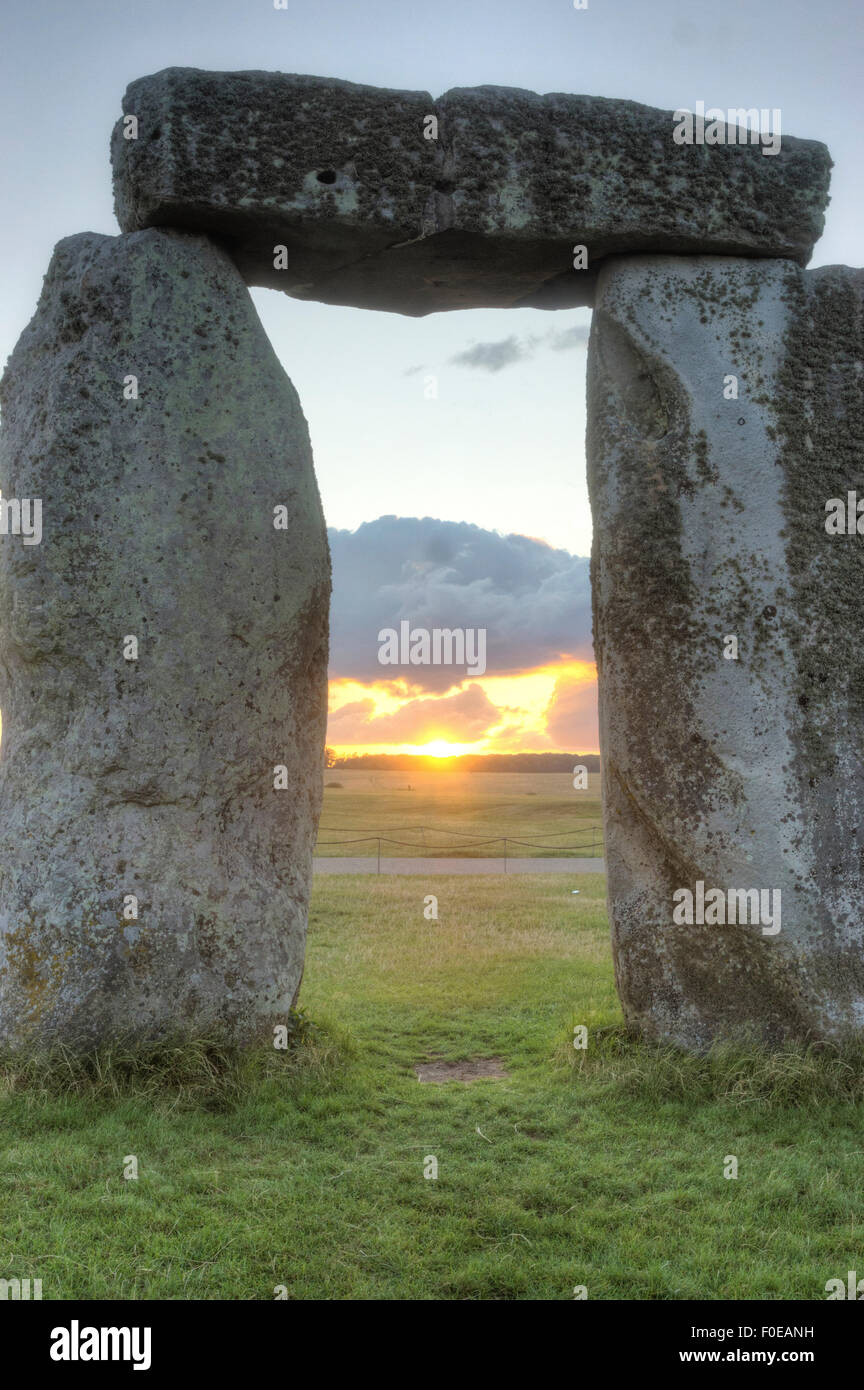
(725, 410)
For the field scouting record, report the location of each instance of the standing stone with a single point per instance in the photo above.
(710, 524)
(388, 199)
(151, 780)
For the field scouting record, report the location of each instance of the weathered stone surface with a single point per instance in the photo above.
(486, 215)
(154, 777)
(709, 518)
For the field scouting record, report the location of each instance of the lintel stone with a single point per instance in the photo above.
(374, 213)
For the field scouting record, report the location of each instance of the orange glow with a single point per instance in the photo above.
(483, 714)
(440, 749)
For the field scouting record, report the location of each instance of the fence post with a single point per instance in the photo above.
(379, 854)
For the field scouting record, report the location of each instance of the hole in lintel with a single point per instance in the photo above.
(327, 176)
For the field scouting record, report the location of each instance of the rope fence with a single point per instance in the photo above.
(592, 847)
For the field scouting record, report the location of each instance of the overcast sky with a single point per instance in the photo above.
(502, 447)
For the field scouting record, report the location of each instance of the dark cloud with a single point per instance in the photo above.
(534, 601)
(493, 357)
(569, 338)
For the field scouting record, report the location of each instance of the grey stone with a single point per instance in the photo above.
(155, 777)
(709, 518)
(487, 215)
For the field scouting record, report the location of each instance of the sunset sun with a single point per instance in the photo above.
(441, 749)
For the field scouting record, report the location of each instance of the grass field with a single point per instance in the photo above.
(601, 1168)
(432, 812)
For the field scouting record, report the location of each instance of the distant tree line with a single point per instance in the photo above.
(470, 762)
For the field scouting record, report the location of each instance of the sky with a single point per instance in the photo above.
(500, 449)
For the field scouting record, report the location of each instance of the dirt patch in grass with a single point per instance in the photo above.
(473, 1069)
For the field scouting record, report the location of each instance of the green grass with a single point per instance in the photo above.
(305, 1169)
(430, 812)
